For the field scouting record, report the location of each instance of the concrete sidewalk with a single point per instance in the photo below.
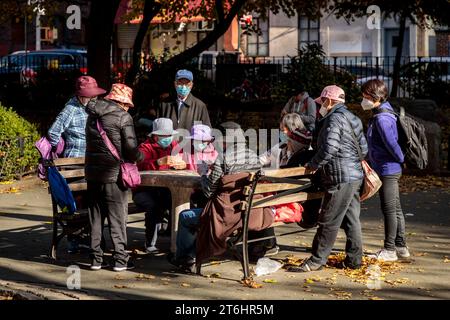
(25, 234)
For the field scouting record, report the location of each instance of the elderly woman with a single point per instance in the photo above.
(339, 165)
(386, 158)
(295, 140)
(291, 152)
(106, 192)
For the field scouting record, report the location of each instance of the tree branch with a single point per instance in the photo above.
(151, 8)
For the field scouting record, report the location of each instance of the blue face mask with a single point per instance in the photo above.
(283, 137)
(200, 146)
(183, 90)
(165, 142)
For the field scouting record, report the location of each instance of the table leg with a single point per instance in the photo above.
(180, 202)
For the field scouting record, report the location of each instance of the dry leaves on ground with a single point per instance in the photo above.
(185, 285)
(250, 283)
(11, 190)
(415, 183)
(270, 281)
(120, 286)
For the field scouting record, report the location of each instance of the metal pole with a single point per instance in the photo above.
(38, 31)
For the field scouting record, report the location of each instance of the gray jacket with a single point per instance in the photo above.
(306, 108)
(193, 110)
(337, 155)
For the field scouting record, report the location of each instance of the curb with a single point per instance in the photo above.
(16, 294)
(25, 183)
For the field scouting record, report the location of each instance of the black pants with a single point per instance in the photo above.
(394, 221)
(154, 201)
(108, 201)
(340, 209)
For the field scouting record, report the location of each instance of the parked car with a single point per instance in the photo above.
(23, 66)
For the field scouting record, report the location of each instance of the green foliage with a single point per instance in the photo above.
(309, 69)
(15, 160)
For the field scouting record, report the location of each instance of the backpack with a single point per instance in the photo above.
(411, 138)
(60, 191)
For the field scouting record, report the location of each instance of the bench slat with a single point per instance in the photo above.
(68, 161)
(301, 196)
(274, 187)
(77, 173)
(288, 172)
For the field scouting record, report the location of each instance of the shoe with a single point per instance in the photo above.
(119, 268)
(346, 265)
(186, 264)
(272, 251)
(95, 266)
(402, 252)
(306, 266)
(385, 255)
(151, 249)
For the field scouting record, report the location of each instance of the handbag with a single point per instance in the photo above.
(131, 177)
(371, 183)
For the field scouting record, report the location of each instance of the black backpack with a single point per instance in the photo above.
(411, 138)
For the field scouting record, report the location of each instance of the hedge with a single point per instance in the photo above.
(17, 151)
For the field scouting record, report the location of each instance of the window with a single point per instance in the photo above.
(258, 42)
(308, 31)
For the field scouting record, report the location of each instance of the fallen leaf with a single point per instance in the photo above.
(270, 281)
(142, 276)
(185, 285)
(119, 277)
(251, 284)
(215, 275)
(375, 298)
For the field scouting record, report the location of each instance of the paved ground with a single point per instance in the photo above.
(25, 232)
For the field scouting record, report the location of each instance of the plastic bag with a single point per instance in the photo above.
(266, 266)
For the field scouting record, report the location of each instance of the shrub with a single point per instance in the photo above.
(17, 138)
(308, 68)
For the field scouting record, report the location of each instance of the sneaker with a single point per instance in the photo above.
(402, 252)
(385, 255)
(272, 251)
(151, 249)
(97, 265)
(119, 268)
(306, 266)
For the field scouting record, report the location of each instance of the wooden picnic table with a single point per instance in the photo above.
(181, 184)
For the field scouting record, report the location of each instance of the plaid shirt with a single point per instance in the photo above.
(71, 125)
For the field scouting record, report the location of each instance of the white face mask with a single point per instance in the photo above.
(366, 104)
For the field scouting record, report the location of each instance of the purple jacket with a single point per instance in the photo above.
(45, 149)
(385, 154)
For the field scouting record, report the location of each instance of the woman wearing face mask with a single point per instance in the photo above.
(339, 165)
(295, 142)
(386, 158)
(200, 158)
(158, 152)
(292, 151)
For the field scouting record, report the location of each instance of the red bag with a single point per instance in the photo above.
(287, 213)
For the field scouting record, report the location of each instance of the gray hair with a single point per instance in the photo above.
(293, 122)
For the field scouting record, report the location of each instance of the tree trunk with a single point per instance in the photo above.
(99, 38)
(150, 10)
(398, 55)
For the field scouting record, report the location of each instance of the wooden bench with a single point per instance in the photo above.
(285, 186)
(72, 169)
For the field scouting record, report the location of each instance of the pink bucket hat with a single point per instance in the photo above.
(121, 93)
(87, 87)
(201, 132)
(331, 92)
